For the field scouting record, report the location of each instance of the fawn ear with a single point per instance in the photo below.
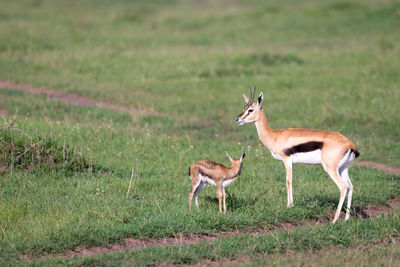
(242, 157)
(229, 157)
(260, 100)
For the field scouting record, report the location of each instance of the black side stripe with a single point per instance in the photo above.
(305, 147)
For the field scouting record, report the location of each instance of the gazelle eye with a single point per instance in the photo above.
(251, 110)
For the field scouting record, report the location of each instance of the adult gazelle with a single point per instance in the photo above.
(332, 150)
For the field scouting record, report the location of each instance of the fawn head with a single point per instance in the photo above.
(236, 163)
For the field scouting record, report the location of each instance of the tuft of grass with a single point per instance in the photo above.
(20, 150)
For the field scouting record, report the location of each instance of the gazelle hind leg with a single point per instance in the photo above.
(345, 176)
(199, 188)
(342, 187)
(195, 184)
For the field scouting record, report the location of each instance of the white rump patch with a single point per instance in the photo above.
(346, 161)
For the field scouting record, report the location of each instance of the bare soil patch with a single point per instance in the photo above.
(373, 211)
(380, 166)
(179, 240)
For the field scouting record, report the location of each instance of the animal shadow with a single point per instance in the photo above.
(232, 202)
(359, 212)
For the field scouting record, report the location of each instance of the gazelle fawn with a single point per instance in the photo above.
(206, 172)
(332, 150)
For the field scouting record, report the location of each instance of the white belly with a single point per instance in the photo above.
(207, 180)
(227, 182)
(210, 181)
(312, 157)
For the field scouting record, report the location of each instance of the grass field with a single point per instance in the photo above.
(182, 67)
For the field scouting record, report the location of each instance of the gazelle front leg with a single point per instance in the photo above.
(220, 194)
(288, 166)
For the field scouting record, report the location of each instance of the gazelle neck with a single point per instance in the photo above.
(264, 131)
(234, 171)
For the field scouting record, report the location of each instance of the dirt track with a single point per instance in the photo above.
(377, 165)
(72, 98)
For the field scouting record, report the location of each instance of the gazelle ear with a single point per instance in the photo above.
(260, 100)
(242, 157)
(245, 98)
(229, 157)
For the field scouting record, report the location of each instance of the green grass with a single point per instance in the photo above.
(65, 169)
(88, 206)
